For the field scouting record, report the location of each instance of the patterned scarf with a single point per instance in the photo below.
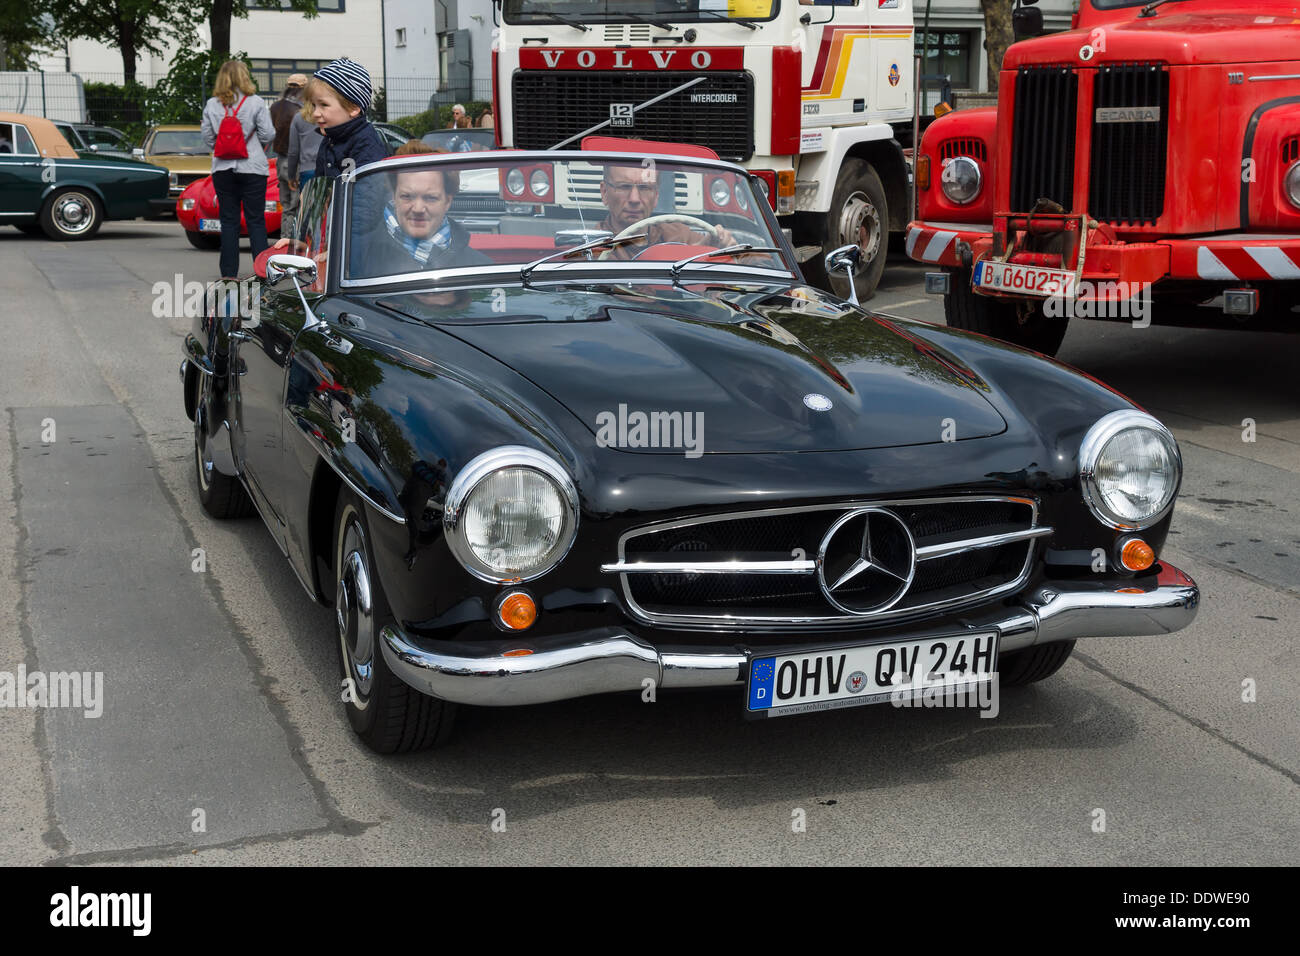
(420, 249)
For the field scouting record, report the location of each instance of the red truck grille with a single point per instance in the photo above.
(1130, 135)
(1042, 136)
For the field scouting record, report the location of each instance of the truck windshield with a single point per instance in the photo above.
(638, 11)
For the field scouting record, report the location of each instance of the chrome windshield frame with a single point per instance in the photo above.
(604, 270)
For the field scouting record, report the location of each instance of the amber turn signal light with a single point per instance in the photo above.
(1136, 555)
(923, 173)
(517, 611)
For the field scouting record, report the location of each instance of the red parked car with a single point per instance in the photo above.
(197, 212)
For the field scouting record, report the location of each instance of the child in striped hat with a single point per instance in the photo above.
(341, 94)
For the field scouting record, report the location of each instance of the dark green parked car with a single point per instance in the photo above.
(45, 186)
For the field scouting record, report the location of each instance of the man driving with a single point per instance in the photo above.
(630, 194)
(415, 234)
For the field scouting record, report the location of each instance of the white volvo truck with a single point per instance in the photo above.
(812, 98)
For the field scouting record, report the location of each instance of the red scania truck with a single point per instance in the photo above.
(812, 98)
(1137, 166)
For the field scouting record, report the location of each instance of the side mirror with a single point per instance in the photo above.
(277, 267)
(846, 258)
(1027, 22)
(137, 152)
(94, 147)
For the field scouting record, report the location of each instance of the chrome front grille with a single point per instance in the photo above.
(782, 566)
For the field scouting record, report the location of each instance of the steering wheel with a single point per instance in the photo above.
(709, 230)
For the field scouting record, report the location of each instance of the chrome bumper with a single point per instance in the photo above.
(608, 660)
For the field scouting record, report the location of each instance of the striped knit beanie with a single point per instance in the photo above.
(349, 78)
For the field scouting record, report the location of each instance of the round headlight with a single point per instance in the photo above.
(1130, 470)
(719, 192)
(511, 514)
(742, 197)
(1292, 184)
(540, 182)
(515, 182)
(187, 203)
(961, 180)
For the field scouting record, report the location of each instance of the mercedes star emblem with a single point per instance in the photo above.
(866, 561)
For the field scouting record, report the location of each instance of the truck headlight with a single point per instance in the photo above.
(1291, 184)
(511, 514)
(961, 180)
(1130, 469)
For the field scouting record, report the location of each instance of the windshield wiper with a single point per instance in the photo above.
(556, 18)
(654, 21)
(726, 250)
(1150, 9)
(612, 242)
(722, 16)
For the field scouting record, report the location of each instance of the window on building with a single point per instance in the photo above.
(324, 6)
(949, 53)
(271, 76)
(401, 36)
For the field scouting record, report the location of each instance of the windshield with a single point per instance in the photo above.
(496, 215)
(636, 11)
(461, 140)
(183, 142)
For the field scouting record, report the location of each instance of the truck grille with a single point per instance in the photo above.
(1042, 143)
(553, 105)
(760, 567)
(1127, 178)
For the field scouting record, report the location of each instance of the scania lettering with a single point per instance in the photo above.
(1153, 150)
(812, 99)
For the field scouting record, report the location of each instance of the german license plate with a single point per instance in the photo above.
(827, 679)
(209, 225)
(1026, 280)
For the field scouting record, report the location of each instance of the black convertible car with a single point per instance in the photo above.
(598, 436)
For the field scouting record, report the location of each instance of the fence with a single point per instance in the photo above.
(417, 100)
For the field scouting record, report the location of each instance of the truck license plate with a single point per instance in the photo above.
(827, 679)
(1026, 280)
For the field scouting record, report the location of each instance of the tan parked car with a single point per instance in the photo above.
(179, 148)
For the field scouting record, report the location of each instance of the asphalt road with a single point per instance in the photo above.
(221, 739)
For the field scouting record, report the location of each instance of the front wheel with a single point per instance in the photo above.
(71, 214)
(387, 714)
(1033, 663)
(1022, 323)
(201, 240)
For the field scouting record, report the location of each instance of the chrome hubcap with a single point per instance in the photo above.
(860, 224)
(72, 213)
(352, 611)
(202, 454)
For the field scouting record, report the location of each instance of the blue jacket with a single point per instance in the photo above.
(356, 140)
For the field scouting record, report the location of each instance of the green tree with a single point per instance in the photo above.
(133, 26)
(22, 34)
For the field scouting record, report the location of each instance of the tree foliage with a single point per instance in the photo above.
(132, 26)
(998, 35)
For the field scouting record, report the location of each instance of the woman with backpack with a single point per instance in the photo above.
(237, 125)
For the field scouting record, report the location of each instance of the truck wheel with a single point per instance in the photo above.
(388, 715)
(859, 215)
(964, 309)
(1033, 663)
(71, 214)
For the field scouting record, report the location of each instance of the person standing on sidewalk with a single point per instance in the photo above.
(239, 172)
(283, 111)
(299, 166)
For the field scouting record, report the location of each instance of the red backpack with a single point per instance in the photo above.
(230, 136)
